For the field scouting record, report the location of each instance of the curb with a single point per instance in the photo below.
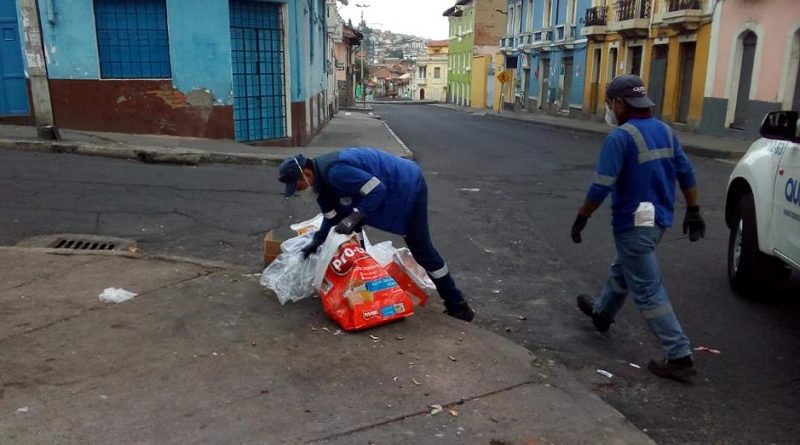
(409, 153)
(148, 155)
(357, 109)
(208, 264)
(404, 102)
(688, 147)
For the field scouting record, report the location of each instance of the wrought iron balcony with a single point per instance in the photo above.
(681, 15)
(596, 16)
(633, 9)
(632, 18)
(542, 36)
(683, 5)
(595, 23)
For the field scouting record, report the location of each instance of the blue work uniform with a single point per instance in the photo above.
(639, 163)
(391, 193)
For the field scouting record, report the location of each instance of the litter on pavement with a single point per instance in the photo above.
(436, 409)
(115, 295)
(605, 373)
(705, 349)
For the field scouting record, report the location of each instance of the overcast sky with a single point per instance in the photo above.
(421, 18)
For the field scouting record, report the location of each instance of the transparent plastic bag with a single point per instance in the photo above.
(291, 276)
(310, 225)
(325, 254)
(404, 268)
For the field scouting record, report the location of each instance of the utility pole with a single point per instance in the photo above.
(363, 52)
(37, 71)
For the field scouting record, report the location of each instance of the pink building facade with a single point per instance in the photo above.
(753, 65)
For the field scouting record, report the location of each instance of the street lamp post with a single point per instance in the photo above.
(363, 6)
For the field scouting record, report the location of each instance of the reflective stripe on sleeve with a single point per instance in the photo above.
(658, 311)
(330, 215)
(607, 181)
(369, 186)
(436, 274)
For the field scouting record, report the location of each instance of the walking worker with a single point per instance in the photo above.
(639, 163)
(365, 186)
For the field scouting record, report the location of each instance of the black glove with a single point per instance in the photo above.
(349, 223)
(693, 224)
(310, 248)
(578, 226)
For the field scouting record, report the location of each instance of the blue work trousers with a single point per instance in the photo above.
(635, 271)
(418, 240)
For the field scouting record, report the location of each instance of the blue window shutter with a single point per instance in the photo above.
(132, 39)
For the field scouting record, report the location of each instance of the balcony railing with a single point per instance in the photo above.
(542, 36)
(683, 5)
(633, 9)
(596, 16)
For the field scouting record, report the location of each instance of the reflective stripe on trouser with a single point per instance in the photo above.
(636, 269)
(418, 240)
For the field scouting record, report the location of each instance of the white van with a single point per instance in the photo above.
(762, 207)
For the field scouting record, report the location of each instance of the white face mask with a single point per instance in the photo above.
(308, 194)
(611, 118)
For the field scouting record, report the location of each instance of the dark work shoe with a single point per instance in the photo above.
(461, 311)
(681, 369)
(586, 306)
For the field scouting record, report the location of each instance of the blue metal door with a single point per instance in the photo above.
(13, 88)
(259, 92)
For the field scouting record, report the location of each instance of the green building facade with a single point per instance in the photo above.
(460, 49)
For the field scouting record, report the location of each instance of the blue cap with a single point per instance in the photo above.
(630, 88)
(290, 172)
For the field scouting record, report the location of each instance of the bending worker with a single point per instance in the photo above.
(364, 186)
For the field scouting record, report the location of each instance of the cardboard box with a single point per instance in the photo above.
(272, 247)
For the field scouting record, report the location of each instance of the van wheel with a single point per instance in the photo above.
(748, 268)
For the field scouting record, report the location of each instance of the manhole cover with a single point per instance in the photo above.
(79, 242)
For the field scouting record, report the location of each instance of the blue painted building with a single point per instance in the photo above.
(546, 54)
(14, 98)
(253, 70)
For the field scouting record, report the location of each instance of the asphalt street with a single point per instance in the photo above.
(503, 197)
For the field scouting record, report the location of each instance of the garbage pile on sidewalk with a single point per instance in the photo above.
(360, 285)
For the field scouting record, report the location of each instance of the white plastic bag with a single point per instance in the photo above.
(382, 252)
(326, 253)
(310, 225)
(291, 276)
(115, 295)
(417, 273)
(385, 253)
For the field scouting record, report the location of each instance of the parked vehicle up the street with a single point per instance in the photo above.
(762, 208)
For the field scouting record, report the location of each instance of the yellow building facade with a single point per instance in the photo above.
(666, 42)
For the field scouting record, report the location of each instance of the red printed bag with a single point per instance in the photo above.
(358, 293)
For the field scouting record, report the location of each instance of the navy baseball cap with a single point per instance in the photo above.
(290, 171)
(631, 88)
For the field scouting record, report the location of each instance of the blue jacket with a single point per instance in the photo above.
(381, 186)
(640, 162)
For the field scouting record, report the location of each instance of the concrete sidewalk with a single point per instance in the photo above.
(693, 143)
(205, 355)
(346, 129)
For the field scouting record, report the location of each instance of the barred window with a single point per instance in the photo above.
(132, 39)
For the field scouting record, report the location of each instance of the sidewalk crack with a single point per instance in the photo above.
(417, 414)
(99, 308)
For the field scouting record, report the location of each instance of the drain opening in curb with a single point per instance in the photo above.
(73, 244)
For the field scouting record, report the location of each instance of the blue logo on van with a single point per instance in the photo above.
(793, 191)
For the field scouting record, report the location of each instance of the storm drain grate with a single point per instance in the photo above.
(76, 244)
